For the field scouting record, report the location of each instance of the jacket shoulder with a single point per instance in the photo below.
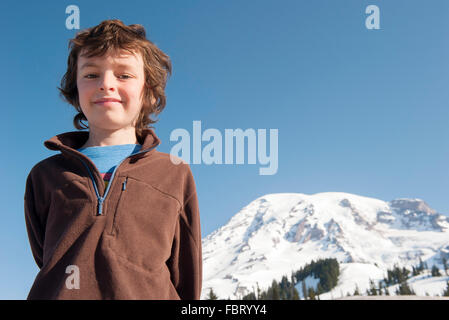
(46, 165)
(172, 161)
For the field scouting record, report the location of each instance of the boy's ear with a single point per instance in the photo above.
(153, 99)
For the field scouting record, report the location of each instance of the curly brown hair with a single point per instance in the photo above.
(115, 35)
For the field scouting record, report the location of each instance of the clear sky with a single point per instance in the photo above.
(357, 110)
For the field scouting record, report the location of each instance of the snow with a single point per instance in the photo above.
(427, 285)
(352, 275)
(280, 233)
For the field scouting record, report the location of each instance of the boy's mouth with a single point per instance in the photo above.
(107, 101)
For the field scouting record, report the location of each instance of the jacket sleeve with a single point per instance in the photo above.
(34, 227)
(185, 263)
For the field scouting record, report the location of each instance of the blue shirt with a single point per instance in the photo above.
(106, 158)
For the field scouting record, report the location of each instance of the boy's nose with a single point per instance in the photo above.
(107, 82)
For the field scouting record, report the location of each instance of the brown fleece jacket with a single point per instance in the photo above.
(138, 239)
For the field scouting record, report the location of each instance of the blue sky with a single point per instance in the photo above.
(357, 110)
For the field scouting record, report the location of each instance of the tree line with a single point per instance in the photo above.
(400, 276)
(328, 271)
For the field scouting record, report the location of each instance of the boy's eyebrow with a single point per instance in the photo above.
(91, 64)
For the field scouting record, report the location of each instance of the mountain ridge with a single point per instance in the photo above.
(278, 233)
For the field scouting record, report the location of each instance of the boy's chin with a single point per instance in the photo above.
(111, 127)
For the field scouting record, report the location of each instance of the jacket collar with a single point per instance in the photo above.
(70, 141)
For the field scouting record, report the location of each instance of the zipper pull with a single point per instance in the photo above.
(100, 206)
(124, 184)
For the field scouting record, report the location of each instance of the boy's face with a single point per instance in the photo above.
(120, 77)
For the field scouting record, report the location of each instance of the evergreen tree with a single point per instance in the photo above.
(445, 265)
(396, 275)
(286, 289)
(404, 274)
(249, 296)
(319, 289)
(283, 295)
(212, 295)
(404, 289)
(414, 271)
(435, 271)
(311, 295)
(295, 295)
(372, 290)
(421, 265)
(327, 271)
(381, 286)
(304, 290)
(356, 291)
(275, 291)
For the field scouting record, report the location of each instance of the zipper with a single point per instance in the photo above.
(101, 199)
(124, 184)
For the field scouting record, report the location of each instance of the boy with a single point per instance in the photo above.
(110, 217)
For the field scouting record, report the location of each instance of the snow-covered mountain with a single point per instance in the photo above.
(279, 233)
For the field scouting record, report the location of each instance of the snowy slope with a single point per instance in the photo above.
(278, 233)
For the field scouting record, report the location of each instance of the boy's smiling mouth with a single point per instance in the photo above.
(107, 101)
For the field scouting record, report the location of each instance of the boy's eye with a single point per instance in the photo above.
(123, 75)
